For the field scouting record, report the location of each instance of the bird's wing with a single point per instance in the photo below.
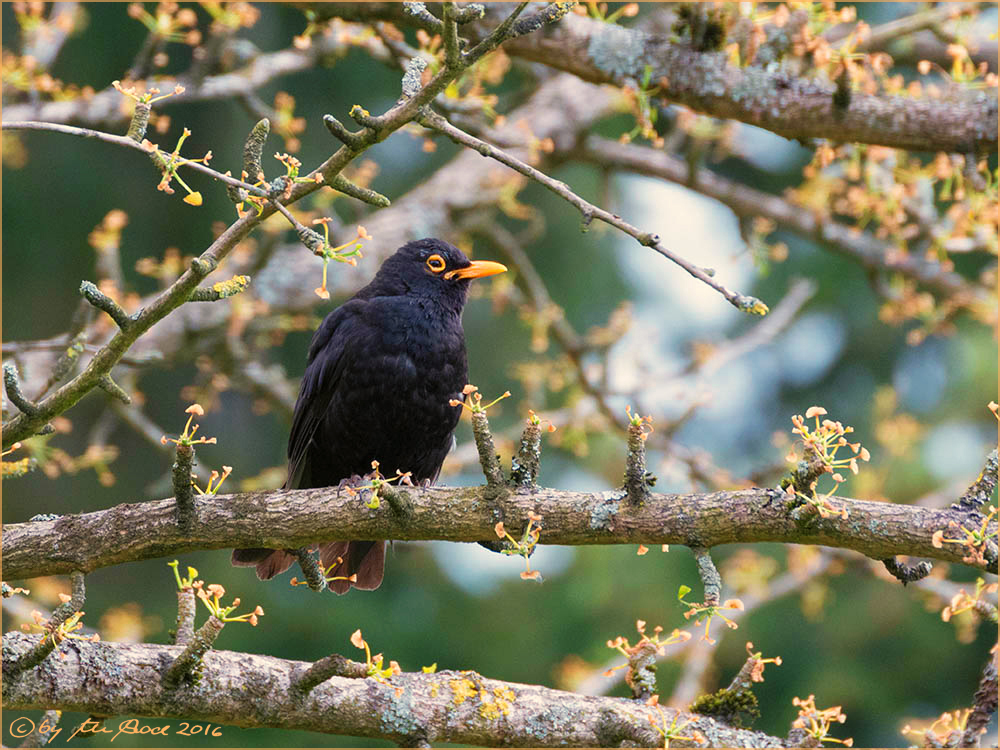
(325, 365)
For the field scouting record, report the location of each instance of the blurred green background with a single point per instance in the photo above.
(850, 638)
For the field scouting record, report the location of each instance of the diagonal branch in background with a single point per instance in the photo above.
(289, 519)
(408, 708)
(870, 252)
(434, 121)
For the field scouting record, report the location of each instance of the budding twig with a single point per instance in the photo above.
(114, 390)
(354, 141)
(310, 568)
(60, 615)
(426, 19)
(221, 290)
(334, 665)
(367, 195)
(907, 573)
(101, 301)
(524, 467)
(709, 576)
(12, 385)
(253, 149)
(984, 706)
(186, 606)
(980, 491)
(190, 658)
(183, 494)
(434, 121)
(636, 483)
(488, 457)
(140, 121)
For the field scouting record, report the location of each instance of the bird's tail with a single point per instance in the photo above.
(364, 562)
(269, 562)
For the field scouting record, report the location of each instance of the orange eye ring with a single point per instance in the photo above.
(436, 263)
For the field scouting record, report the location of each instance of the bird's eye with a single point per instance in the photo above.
(436, 263)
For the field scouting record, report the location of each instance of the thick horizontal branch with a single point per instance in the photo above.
(289, 519)
(251, 690)
(792, 106)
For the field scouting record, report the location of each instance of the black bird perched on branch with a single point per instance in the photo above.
(382, 369)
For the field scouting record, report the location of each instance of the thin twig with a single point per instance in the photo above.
(434, 121)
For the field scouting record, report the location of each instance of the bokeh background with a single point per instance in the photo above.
(852, 638)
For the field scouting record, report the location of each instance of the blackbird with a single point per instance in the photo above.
(381, 371)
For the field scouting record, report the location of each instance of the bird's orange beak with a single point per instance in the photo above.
(477, 269)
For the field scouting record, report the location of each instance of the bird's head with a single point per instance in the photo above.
(431, 268)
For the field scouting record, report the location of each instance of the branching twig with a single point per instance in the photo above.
(41, 650)
(793, 107)
(324, 669)
(376, 129)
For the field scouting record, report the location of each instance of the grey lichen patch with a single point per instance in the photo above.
(411, 78)
(397, 717)
(554, 721)
(603, 514)
(617, 51)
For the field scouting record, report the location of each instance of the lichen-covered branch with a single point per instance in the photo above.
(289, 519)
(447, 706)
(793, 107)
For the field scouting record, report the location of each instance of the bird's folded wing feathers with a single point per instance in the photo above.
(318, 385)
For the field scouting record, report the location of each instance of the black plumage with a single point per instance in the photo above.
(381, 371)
